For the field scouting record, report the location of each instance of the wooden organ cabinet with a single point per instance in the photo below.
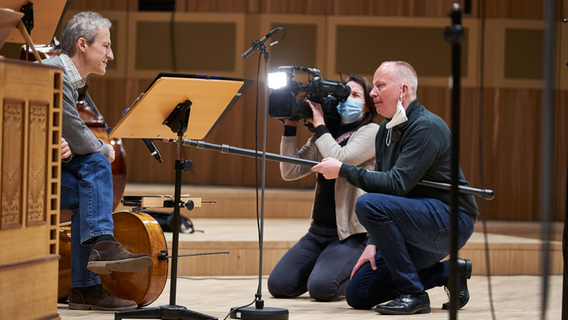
(30, 133)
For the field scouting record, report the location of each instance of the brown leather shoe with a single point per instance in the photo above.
(108, 256)
(97, 298)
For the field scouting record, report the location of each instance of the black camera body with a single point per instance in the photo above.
(283, 103)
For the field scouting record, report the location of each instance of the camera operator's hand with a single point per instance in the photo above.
(291, 123)
(317, 120)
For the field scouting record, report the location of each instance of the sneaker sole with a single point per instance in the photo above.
(82, 306)
(128, 265)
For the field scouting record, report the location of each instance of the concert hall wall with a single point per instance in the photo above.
(350, 36)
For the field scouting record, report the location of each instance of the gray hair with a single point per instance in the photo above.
(82, 25)
(405, 73)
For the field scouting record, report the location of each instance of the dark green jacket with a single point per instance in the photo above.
(423, 152)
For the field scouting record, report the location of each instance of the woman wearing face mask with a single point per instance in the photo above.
(322, 260)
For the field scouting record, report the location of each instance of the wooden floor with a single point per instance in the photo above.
(214, 284)
(514, 297)
(230, 225)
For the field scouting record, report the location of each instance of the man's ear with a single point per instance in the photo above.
(405, 88)
(82, 44)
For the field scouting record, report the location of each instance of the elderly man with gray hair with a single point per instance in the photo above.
(86, 175)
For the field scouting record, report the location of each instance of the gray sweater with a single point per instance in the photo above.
(80, 138)
(358, 151)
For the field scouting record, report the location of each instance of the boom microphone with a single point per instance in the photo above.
(256, 44)
(486, 194)
(155, 153)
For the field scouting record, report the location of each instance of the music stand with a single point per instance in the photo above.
(46, 20)
(44, 23)
(163, 112)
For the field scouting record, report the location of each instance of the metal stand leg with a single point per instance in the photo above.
(178, 122)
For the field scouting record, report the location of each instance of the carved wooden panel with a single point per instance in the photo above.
(37, 163)
(12, 142)
(30, 132)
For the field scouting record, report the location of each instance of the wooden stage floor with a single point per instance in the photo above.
(214, 284)
(514, 297)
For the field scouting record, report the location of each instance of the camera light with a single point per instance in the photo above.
(277, 80)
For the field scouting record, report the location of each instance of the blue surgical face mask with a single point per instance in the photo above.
(350, 110)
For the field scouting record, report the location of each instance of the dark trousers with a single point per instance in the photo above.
(319, 263)
(412, 235)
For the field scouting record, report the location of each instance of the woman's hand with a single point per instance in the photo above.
(317, 119)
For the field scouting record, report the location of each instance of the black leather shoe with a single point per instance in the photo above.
(406, 303)
(464, 269)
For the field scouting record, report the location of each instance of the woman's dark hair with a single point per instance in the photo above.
(371, 115)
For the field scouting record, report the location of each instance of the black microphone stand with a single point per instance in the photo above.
(259, 311)
(454, 35)
(547, 144)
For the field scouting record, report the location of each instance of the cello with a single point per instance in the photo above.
(140, 233)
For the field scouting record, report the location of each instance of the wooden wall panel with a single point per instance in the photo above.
(511, 119)
(561, 157)
(104, 5)
(404, 8)
(513, 9)
(234, 6)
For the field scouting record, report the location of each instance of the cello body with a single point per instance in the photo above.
(140, 233)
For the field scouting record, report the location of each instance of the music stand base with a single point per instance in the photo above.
(172, 312)
(254, 313)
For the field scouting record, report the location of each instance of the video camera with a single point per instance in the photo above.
(283, 103)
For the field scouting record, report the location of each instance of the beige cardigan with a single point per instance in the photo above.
(359, 151)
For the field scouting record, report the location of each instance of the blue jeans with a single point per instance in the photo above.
(86, 189)
(319, 263)
(412, 236)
